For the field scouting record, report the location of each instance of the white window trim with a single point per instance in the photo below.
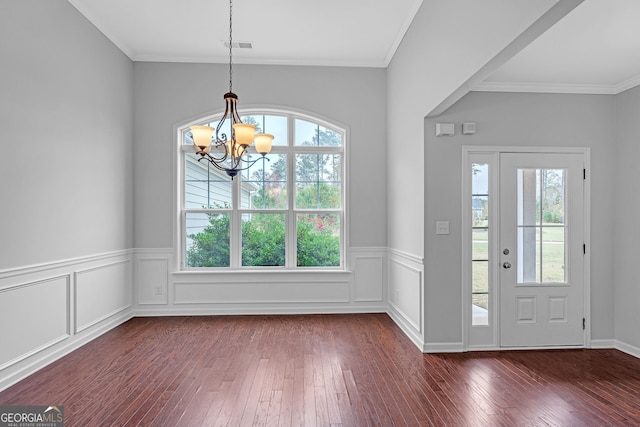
(179, 242)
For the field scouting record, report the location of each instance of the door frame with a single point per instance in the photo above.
(492, 336)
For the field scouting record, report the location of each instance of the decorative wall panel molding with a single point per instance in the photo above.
(37, 325)
(152, 280)
(259, 293)
(54, 308)
(369, 281)
(405, 294)
(101, 292)
(162, 290)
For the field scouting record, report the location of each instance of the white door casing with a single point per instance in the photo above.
(566, 303)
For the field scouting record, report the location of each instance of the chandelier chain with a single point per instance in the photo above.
(230, 46)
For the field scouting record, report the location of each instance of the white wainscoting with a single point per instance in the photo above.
(405, 289)
(101, 292)
(152, 277)
(361, 288)
(41, 323)
(57, 307)
(369, 274)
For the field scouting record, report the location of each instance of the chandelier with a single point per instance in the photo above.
(225, 152)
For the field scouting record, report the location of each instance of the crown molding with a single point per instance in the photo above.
(544, 88)
(590, 89)
(628, 84)
(258, 61)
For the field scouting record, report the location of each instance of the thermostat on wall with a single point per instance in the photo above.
(445, 129)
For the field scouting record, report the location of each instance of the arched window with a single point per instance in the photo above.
(286, 211)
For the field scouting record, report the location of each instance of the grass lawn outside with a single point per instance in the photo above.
(553, 251)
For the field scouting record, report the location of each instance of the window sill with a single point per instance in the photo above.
(266, 272)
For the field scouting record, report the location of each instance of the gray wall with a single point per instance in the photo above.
(167, 95)
(66, 121)
(514, 119)
(436, 58)
(625, 217)
(66, 184)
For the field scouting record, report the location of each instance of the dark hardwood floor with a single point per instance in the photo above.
(324, 370)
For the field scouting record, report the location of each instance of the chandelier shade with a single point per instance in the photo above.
(263, 142)
(244, 133)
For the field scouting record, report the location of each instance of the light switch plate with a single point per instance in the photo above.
(442, 227)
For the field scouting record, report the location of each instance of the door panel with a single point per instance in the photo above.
(541, 247)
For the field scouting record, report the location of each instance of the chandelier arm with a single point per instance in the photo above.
(250, 163)
(213, 162)
(212, 158)
(221, 137)
(234, 112)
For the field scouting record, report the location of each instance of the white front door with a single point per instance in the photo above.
(541, 250)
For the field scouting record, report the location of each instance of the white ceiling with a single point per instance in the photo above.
(299, 32)
(594, 49)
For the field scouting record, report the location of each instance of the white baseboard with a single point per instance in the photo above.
(603, 343)
(406, 327)
(443, 347)
(21, 371)
(628, 348)
(240, 311)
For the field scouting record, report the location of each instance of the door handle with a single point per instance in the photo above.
(506, 265)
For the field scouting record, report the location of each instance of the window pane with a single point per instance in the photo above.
(480, 244)
(275, 125)
(306, 133)
(552, 182)
(318, 240)
(207, 239)
(541, 227)
(265, 184)
(328, 138)
(480, 310)
(318, 181)
(528, 254)
(528, 197)
(205, 186)
(480, 211)
(480, 217)
(480, 274)
(553, 255)
(312, 134)
(263, 239)
(480, 178)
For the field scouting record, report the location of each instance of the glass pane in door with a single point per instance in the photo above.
(541, 224)
(480, 271)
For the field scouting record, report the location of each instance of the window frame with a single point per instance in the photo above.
(291, 211)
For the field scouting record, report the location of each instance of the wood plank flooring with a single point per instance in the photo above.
(322, 370)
